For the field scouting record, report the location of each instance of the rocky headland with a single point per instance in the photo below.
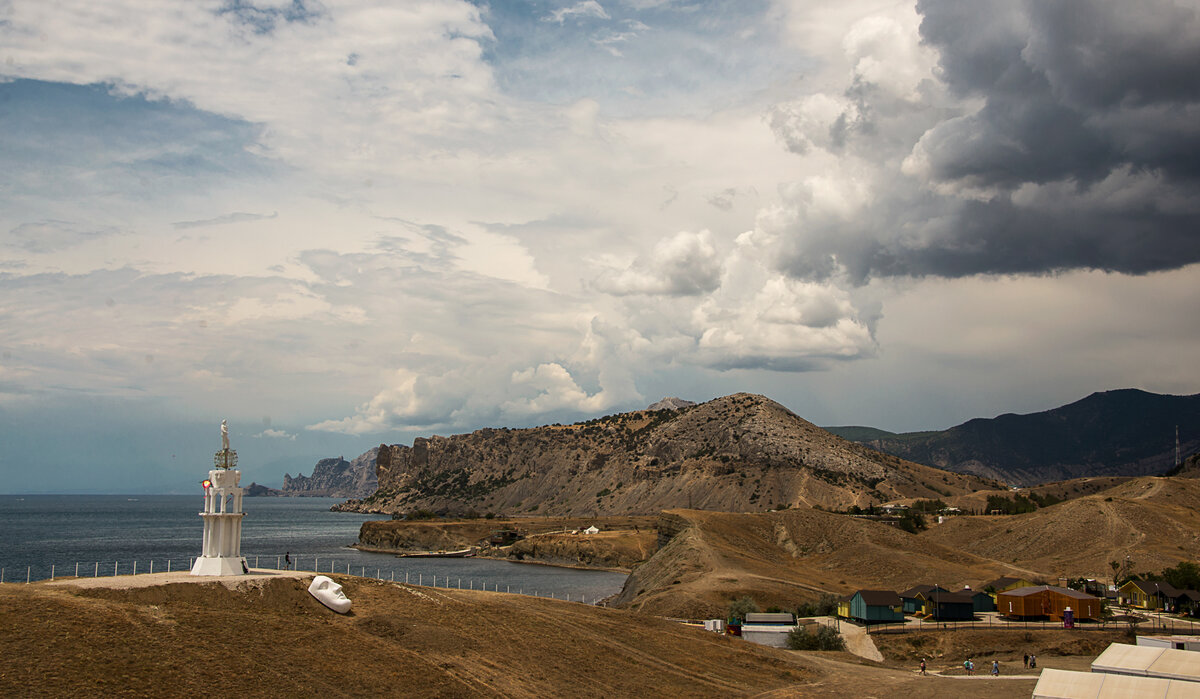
(737, 453)
(336, 478)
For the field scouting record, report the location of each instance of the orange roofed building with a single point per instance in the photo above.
(1047, 601)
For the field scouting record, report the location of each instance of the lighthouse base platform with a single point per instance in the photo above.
(219, 565)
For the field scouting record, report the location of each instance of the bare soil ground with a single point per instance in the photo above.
(784, 558)
(265, 636)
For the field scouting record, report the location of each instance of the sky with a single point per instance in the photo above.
(342, 223)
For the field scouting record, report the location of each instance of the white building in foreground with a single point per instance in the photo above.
(222, 548)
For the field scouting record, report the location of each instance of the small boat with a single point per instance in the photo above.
(462, 553)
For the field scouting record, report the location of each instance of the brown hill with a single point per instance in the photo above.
(1154, 521)
(266, 637)
(784, 558)
(737, 453)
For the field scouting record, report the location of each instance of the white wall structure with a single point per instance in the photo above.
(222, 516)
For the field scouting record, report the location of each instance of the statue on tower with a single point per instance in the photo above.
(226, 458)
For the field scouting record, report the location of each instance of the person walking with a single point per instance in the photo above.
(922, 666)
(1027, 661)
(1032, 661)
(287, 561)
(995, 668)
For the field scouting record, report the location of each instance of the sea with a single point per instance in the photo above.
(44, 536)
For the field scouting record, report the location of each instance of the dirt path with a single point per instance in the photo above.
(857, 640)
(128, 582)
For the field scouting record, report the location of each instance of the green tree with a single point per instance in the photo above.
(739, 608)
(1185, 576)
(824, 638)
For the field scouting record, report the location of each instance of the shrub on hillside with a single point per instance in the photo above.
(826, 606)
(739, 608)
(824, 638)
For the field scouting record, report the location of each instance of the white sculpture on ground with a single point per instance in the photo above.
(329, 594)
(222, 548)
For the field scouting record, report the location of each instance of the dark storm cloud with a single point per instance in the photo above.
(1073, 89)
(1077, 147)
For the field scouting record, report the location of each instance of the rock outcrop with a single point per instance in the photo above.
(336, 478)
(737, 453)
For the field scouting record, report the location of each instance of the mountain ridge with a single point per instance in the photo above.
(742, 452)
(1124, 432)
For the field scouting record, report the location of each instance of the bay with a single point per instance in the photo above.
(107, 534)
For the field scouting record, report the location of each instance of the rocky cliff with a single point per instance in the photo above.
(336, 478)
(737, 453)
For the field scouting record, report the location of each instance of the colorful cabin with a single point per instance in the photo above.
(1047, 601)
(876, 606)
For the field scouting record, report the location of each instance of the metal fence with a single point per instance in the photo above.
(96, 569)
(1145, 623)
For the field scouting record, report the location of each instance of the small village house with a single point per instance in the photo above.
(911, 598)
(940, 605)
(876, 606)
(1147, 594)
(1004, 584)
(843, 608)
(981, 600)
(768, 628)
(1047, 601)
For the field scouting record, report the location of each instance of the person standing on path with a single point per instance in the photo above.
(922, 666)
(1027, 661)
(287, 561)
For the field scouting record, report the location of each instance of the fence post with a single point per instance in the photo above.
(27, 574)
(168, 565)
(77, 569)
(420, 578)
(152, 566)
(347, 569)
(51, 571)
(116, 564)
(135, 566)
(96, 574)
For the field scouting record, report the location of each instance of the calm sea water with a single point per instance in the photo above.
(104, 534)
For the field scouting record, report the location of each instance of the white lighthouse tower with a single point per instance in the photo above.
(222, 515)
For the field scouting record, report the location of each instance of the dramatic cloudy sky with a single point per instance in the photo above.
(340, 223)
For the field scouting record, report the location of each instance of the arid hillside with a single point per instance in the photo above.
(783, 558)
(1154, 521)
(737, 453)
(267, 637)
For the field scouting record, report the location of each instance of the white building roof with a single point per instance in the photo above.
(1149, 661)
(1065, 684)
